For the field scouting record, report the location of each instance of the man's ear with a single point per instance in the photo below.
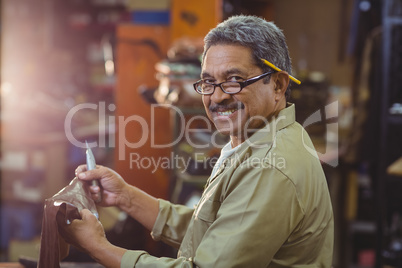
(281, 82)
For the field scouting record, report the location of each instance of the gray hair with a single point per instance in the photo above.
(264, 39)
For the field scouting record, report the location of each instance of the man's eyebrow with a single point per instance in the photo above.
(234, 71)
(226, 73)
(205, 75)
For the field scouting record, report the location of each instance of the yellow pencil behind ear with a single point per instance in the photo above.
(277, 69)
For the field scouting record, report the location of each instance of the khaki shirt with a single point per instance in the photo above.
(267, 206)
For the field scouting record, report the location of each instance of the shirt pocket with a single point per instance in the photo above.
(207, 210)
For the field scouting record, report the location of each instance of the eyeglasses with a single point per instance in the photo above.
(229, 87)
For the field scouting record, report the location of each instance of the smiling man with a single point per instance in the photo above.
(253, 211)
(238, 107)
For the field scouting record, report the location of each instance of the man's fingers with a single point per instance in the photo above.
(87, 175)
(87, 215)
(83, 168)
(80, 168)
(95, 192)
(94, 189)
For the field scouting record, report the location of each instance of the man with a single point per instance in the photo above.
(266, 203)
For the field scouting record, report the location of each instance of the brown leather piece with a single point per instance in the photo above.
(59, 210)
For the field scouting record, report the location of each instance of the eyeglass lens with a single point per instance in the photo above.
(228, 87)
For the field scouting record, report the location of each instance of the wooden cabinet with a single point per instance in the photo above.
(194, 18)
(139, 48)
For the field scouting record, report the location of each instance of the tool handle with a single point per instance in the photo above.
(91, 164)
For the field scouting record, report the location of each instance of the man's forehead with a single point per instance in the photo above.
(227, 59)
(225, 72)
(229, 50)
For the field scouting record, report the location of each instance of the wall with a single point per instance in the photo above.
(314, 30)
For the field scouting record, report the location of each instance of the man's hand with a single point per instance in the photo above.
(84, 234)
(88, 236)
(116, 192)
(114, 188)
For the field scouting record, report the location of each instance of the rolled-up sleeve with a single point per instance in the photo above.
(170, 227)
(133, 258)
(171, 224)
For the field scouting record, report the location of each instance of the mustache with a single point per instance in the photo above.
(231, 106)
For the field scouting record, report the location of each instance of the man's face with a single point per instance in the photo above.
(240, 113)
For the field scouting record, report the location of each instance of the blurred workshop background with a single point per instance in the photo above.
(118, 74)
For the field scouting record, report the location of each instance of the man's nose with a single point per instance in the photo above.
(218, 96)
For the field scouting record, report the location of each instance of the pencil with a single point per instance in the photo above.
(277, 69)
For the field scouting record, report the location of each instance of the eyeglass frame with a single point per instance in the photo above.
(242, 84)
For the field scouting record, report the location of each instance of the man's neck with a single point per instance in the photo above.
(237, 140)
(234, 141)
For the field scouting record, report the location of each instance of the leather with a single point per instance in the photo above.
(59, 210)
